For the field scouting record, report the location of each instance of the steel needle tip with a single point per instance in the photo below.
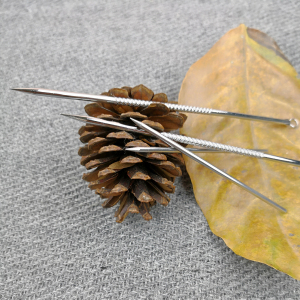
(134, 149)
(69, 116)
(75, 117)
(79, 118)
(25, 90)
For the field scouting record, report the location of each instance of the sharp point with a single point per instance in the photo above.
(134, 149)
(138, 123)
(131, 149)
(68, 116)
(134, 121)
(75, 117)
(24, 90)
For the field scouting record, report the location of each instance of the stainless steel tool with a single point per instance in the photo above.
(183, 150)
(172, 150)
(134, 102)
(185, 139)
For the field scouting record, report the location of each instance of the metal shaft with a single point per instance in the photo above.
(134, 102)
(193, 156)
(184, 139)
(242, 151)
(172, 150)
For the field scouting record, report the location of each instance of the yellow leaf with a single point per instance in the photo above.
(246, 72)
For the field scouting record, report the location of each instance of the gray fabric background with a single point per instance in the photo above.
(56, 240)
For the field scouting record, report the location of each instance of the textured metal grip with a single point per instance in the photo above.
(171, 106)
(129, 101)
(191, 109)
(197, 142)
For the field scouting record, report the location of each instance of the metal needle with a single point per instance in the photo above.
(134, 102)
(184, 139)
(172, 150)
(206, 164)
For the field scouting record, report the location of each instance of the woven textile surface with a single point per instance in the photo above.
(56, 240)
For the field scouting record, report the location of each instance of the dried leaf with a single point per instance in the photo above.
(246, 72)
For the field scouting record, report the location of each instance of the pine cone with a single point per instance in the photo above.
(138, 180)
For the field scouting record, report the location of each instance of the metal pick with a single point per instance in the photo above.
(172, 150)
(134, 102)
(206, 164)
(185, 139)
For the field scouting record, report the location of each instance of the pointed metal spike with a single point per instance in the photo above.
(172, 150)
(25, 90)
(62, 94)
(136, 102)
(105, 123)
(203, 162)
(76, 117)
(187, 140)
